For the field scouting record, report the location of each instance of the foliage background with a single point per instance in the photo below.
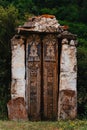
(69, 12)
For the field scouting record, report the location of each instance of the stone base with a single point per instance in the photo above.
(17, 109)
(67, 104)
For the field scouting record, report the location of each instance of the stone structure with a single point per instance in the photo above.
(17, 109)
(68, 76)
(44, 69)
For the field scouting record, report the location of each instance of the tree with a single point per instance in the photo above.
(8, 22)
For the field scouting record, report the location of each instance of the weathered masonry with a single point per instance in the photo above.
(44, 71)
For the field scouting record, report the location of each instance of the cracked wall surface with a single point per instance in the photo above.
(18, 68)
(67, 105)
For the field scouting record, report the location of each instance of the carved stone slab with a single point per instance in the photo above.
(50, 77)
(33, 90)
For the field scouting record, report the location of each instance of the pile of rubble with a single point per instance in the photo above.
(43, 23)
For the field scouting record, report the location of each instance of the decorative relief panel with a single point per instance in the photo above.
(34, 48)
(33, 76)
(50, 76)
(34, 89)
(50, 48)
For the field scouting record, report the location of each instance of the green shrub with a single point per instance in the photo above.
(82, 82)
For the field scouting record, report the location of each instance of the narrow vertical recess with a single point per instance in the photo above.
(25, 42)
(59, 60)
(26, 75)
(42, 103)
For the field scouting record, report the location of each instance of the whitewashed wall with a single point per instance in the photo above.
(18, 68)
(68, 81)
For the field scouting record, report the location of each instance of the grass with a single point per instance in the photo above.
(44, 125)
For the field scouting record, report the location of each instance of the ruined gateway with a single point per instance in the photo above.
(44, 71)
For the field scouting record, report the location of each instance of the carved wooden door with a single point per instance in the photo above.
(42, 74)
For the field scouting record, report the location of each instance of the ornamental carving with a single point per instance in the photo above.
(49, 47)
(33, 48)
